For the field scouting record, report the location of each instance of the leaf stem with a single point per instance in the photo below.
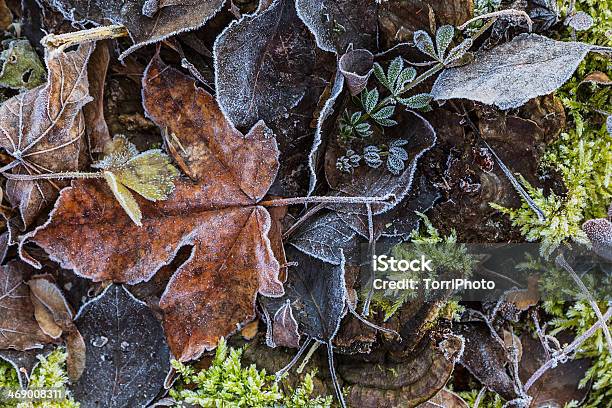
(50, 176)
(283, 202)
(61, 41)
(507, 12)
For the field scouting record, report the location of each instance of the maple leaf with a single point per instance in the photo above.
(42, 130)
(213, 293)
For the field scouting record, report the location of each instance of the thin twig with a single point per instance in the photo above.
(302, 219)
(565, 352)
(283, 202)
(560, 261)
(53, 176)
(62, 41)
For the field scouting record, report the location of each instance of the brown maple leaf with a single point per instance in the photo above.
(213, 293)
(42, 130)
(18, 327)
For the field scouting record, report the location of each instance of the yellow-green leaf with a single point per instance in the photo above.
(150, 174)
(124, 197)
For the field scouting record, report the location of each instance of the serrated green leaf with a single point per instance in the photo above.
(124, 197)
(418, 101)
(395, 67)
(384, 113)
(458, 52)
(404, 78)
(444, 36)
(423, 42)
(379, 73)
(386, 122)
(370, 100)
(355, 117)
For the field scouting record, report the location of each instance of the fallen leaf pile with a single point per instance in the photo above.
(176, 172)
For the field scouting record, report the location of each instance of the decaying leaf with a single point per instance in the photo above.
(284, 327)
(261, 62)
(18, 326)
(25, 362)
(213, 292)
(127, 357)
(21, 67)
(338, 23)
(147, 21)
(96, 128)
(445, 398)
(512, 73)
(559, 385)
(51, 310)
(150, 174)
(42, 130)
(356, 66)
(486, 358)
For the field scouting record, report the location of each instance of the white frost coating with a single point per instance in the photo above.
(511, 74)
(101, 295)
(310, 12)
(328, 108)
(252, 80)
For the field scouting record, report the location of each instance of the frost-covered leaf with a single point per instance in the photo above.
(261, 62)
(457, 54)
(599, 232)
(424, 43)
(18, 326)
(150, 174)
(43, 130)
(444, 36)
(322, 121)
(21, 67)
(338, 23)
(418, 101)
(369, 99)
(25, 362)
(127, 356)
(147, 21)
(384, 113)
(393, 72)
(324, 237)
(404, 79)
(512, 73)
(98, 135)
(609, 124)
(51, 310)
(368, 181)
(580, 21)
(356, 66)
(283, 328)
(213, 292)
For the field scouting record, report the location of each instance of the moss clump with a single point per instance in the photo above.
(49, 373)
(227, 383)
(578, 318)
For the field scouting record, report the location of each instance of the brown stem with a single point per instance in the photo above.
(62, 41)
(283, 202)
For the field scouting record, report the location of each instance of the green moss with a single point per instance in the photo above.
(227, 383)
(578, 318)
(49, 373)
(489, 400)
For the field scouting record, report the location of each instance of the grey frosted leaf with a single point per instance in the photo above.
(512, 73)
(317, 291)
(165, 19)
(324, 115)
(444, 36)
(356, 66)
(580, 21)
(338, 23)
(323, 238)
(261, 64)
(404, 78)
(423, 42)
(395, 164)
(385, 122)
(398, 152)
(609, 124)
(368, 181)
(379, 72)
(127, 356)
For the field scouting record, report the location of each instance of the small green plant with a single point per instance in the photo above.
(227, 383)
(445, 253)
(49, 373)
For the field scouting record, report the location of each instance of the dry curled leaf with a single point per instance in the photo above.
(510, 74)
(42, 130)
(261, 64)
(212, 293)
(147, 21)
(18, 326)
